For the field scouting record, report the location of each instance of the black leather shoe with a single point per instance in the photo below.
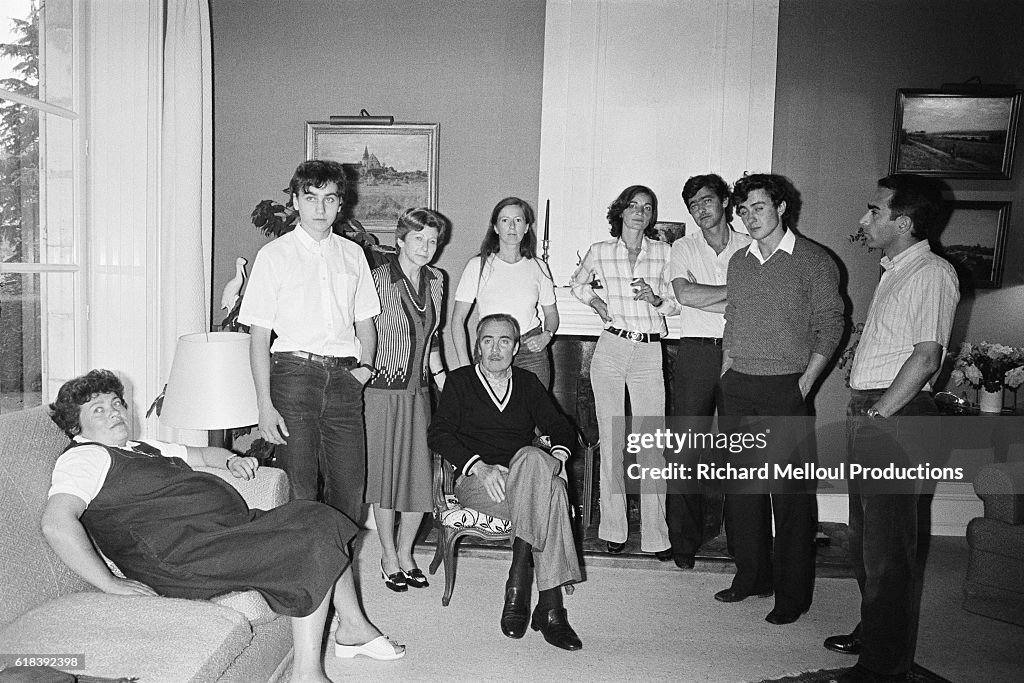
(396, 581)
(554, 626)
(847, 645)
(684, 561)
(616, 548)
(415, 578)
(664, 555)
(728, 595)
(516, 612)
(780, 618)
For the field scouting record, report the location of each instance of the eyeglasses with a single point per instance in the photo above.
(640, 208)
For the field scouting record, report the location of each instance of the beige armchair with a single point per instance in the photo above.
(994, 586)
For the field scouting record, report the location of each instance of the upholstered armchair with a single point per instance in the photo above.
(995, 572)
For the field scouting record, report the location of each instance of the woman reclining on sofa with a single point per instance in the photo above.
(185, 534)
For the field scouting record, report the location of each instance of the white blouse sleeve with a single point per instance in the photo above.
(81, 472)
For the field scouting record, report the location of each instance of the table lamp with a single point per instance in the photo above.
(210, 386)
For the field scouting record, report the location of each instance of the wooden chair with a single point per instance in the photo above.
(452, 521)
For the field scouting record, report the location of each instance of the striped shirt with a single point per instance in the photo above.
(608, 262)
(914, 303)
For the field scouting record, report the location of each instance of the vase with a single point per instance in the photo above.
(990, 401)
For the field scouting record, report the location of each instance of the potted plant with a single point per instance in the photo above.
(989, 368)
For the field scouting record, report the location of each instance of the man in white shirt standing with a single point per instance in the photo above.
(904, 339)
(313, 289)
(698, 268)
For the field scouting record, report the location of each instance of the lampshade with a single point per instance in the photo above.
(211, 385)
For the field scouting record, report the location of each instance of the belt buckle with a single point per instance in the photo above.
(635, 336)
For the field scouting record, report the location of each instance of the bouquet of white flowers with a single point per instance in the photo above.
(991, 366)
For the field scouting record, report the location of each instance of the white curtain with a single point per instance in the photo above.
(649, 92)
(148, 222)
(186, 180)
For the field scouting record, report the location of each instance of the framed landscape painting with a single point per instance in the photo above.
(954, 135)
(975, 239)
(394, 166)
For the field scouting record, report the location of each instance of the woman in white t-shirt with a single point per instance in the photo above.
(511, 280)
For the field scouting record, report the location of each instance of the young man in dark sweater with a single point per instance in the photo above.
(783, 321)
(484, 425)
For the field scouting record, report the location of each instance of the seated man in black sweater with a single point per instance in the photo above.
(484, 426)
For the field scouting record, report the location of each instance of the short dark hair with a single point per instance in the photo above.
(415, 220)
(779, 189)
(916, 197)
(618, 206)
(77, 392)
(317, 173)
(495, 318)
(490, 243)
(713, 182)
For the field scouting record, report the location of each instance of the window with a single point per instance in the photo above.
(40, 275)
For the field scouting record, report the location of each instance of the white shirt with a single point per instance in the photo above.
(693, 254)
(513, 288)
(914, 302)
(786, 244)
(310, 293)
(81, 471)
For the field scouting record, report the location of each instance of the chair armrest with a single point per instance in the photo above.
(268, 489)
(1001, 489)
(443, 482)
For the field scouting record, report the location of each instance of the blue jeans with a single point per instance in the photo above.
(539, 363)
(322, 407)
(883, 527)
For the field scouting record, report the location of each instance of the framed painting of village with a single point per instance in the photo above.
(955, 135)
(974, 239)
(394, 168)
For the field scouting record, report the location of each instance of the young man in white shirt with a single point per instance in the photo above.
(313, 289)
(698, 268)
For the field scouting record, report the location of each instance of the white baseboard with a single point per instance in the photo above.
(953, 506)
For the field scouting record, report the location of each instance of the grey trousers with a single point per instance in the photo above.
(537, 504)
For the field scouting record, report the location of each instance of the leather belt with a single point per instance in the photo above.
(713, 341)
(326, 361)
(634, 336)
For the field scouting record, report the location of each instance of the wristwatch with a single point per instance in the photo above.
(871, 412)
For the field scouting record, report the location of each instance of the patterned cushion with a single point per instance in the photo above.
(458, 517)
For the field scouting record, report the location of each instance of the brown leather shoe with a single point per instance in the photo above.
(516, 612)
(554, 626)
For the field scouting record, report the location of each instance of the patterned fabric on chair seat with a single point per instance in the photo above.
(458, 517)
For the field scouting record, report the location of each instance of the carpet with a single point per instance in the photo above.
(917, 675)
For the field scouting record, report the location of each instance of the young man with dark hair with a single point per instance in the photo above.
(783, 321)
(314, 290)
(904, 339)
(698, 267)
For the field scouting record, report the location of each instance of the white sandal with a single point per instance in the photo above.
(380, 648)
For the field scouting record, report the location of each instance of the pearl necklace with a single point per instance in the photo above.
(408, 290)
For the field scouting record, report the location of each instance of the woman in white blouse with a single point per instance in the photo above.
(507, 277)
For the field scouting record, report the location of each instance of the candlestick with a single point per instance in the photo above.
(547, 218)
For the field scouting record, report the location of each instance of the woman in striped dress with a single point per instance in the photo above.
(397, 398)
